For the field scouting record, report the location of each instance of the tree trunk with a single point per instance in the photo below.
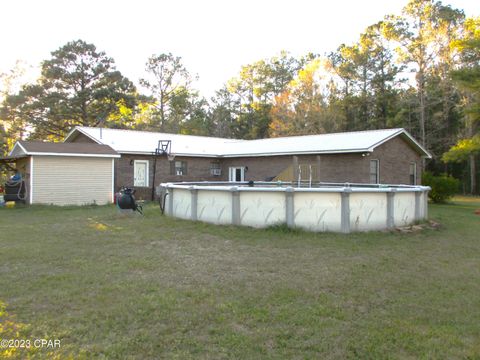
(422, 110)
(473, 175)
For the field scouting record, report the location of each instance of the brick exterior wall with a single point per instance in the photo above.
(395, 157)
(198, 169)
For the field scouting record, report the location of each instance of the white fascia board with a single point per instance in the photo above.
(76, 128)
(324, 152)
(410, 137)
(253, 154)
(20, 146)
(173, 154)
(427, 153)
(75, 155)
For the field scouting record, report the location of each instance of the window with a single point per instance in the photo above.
(413, 173)
(374, 172)
(215, 169)
(236, 174)
(178, 168)
(140, 173)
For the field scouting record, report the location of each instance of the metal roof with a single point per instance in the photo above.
(142, 142)
(22, 148)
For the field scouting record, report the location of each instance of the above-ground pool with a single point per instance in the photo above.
(323, 207)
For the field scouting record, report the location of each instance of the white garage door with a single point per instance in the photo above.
(72, 180)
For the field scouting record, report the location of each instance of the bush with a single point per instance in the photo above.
(443, 186)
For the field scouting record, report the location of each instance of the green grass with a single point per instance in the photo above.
(110, 286)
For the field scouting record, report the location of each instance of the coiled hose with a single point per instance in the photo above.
(20, 182)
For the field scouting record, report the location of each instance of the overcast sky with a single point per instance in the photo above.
(214, 38)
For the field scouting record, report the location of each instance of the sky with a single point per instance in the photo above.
(213, 37)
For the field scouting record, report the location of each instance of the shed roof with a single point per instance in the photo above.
(23, 148)
(142, 142)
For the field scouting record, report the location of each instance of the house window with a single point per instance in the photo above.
(215, 169)
(236, 174)
(140, 173)
(374, 171)
(178, 168)
(413, 173)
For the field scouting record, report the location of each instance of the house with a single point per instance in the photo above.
(390, 156)
(64, 173)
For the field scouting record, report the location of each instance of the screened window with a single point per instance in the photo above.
(215, 169)
(413, 173)
(178, 168)
(374, 172)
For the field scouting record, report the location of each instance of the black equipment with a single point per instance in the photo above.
(126, 200)
(14, 191)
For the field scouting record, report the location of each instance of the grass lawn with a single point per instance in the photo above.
(151, 287)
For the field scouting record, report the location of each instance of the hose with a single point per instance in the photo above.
(13, 183)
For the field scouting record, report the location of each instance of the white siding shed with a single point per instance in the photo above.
(67, 174)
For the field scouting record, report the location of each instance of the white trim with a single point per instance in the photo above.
(410, 137)
(232, 173)
(76, 128)
(31, 180)
(113, 181)
(312, 152)
(150, 153)
(21, 147)
(147, 165)
(75, 154)
(217, 156)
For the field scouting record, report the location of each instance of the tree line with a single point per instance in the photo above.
(419, 70)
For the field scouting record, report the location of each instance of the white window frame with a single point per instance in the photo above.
(147, 175)
(232, 171)
(179, 171)
(377, 168)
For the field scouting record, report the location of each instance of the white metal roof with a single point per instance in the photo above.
(141, 142)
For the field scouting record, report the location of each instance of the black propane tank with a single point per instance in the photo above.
(126, 200)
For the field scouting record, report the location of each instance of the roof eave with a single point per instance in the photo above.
(318, 152)
(13, 158)
(78, 129)
(349, 151)
(404, 132)
(20, 146)
(37, 153)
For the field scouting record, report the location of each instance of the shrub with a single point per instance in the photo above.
(443, 186)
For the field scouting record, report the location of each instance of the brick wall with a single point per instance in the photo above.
(395, 157)
(198, 169)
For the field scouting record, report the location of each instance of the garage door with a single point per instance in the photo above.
(72, 180)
